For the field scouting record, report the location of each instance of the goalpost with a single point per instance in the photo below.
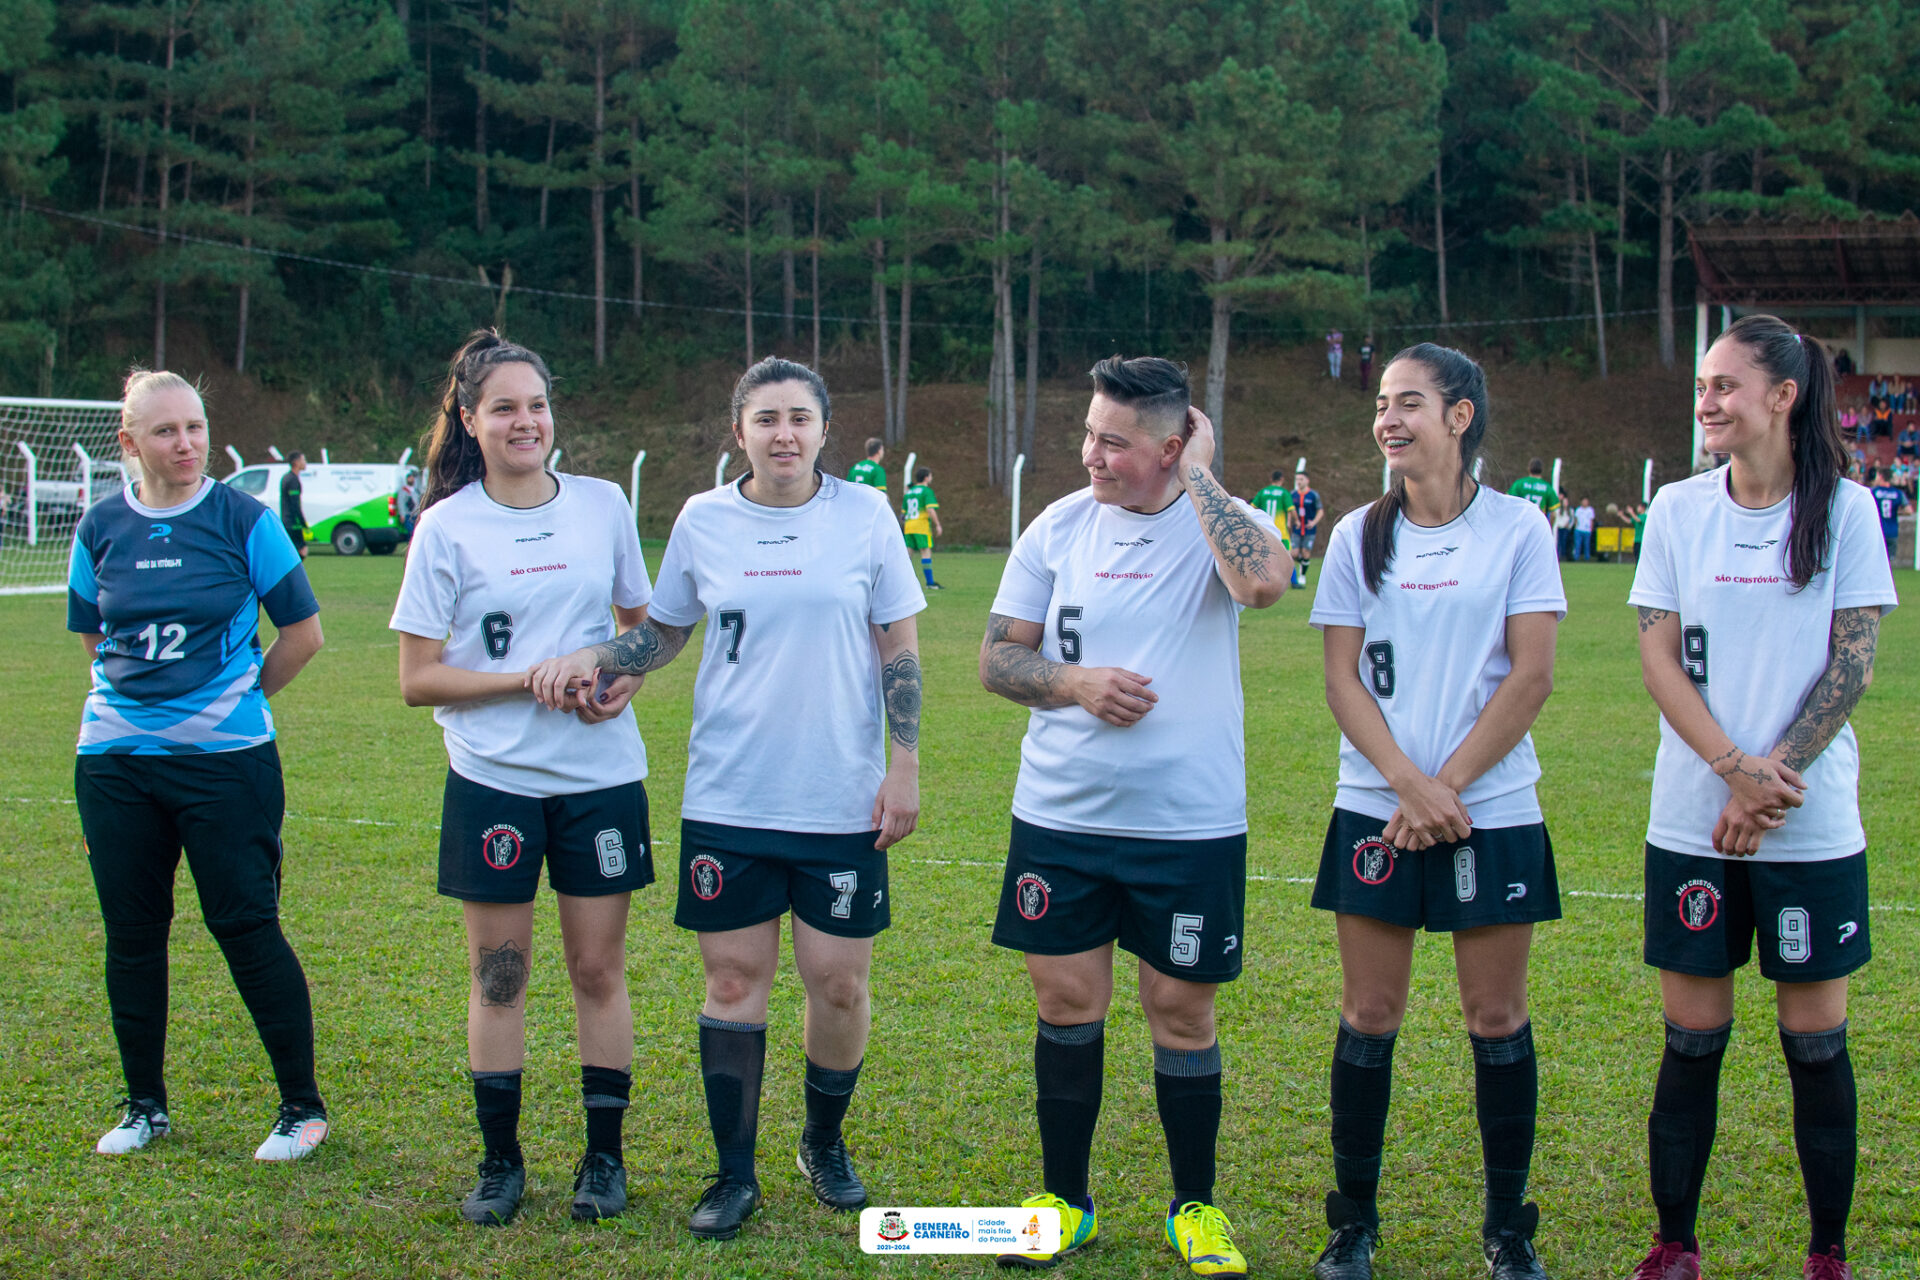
(57, 458)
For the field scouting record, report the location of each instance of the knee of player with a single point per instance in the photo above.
(843, 993)
(1178, 1015)
(231, 929)
(597, 978)
(1492, 1017)
(1375, 1013)
(729, 988)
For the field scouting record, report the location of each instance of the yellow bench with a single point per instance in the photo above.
(1613, 539)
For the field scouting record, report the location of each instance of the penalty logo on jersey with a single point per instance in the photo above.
(706, 872)
(1031, 895)
(1699, 904)
(1373, 860)
(500, 846)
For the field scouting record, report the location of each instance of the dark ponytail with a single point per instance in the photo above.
(454, 460)
(1458, 377)
(1818, 446)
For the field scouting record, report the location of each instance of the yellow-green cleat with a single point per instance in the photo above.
(1198, 1233)
(1078, 1227)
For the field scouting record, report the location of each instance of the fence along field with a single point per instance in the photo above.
(944, 1111)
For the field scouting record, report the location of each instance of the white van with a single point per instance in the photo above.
(355, 506)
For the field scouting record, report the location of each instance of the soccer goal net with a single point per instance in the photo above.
(56, 458)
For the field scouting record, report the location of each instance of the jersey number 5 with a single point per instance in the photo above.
(1069, 636)
(1380, 667)
(1693, 652)
(497, 629)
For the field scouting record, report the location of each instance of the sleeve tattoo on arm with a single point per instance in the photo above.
(900, 685)
(1018, 673)
(1833, 697)
(647, 647)
(1242, 546)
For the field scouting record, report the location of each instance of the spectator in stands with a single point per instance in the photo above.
(1563, 526)
(1333, 354)
(1583, 518)
(1843, 363)
(1876, 388)
(1851, 423)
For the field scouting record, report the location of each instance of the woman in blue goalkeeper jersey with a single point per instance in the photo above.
(166, 585)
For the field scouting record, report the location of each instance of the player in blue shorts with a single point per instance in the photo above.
(167, 582)
(1760, 591)
(1439, 605)
(512, 563)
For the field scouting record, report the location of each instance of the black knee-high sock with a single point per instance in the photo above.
(1069, 1066)
(1506, 1095)
(1826, 1113)
(1186, 1087)
(137, 994)
(496, 1105)
(732, 1057)
(274, 987)
(1362, 1090)
(1686, 1110)
(605, 1093)
(828, 1095)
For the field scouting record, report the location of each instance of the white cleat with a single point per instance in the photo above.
(144, 1122)
(295, 1134)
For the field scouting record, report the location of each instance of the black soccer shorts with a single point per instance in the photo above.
(1702, 915)
(492, 843)
(737, 877)
(1179, 905)
(1500, 875)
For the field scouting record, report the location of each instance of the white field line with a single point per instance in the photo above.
(1901, 907)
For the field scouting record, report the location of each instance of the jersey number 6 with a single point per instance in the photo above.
(497, 629)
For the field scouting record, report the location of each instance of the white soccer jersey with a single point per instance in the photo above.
(789, 733)
(1436, 643)
(1114, 588)
(509, 587)
(1755, 647)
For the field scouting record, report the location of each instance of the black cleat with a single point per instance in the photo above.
(1349, 1251)
(830, 1170)
(723, 1206)
(497, 1197)
(1509, 1250)
(934, 586)
(599, 1187)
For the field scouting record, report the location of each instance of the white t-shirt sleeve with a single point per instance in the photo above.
(631, 586)
(1026, 585)
(430, 588)
(1653, 585)
(896, 591)
(1337, 602)
(1862, 574)
(676, 597)
(1535, 586)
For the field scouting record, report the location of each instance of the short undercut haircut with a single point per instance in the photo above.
(1156, 390)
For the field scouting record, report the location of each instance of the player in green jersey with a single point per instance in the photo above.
(1535, 489)
(1277, 501)
(868, 470)
(919, 510)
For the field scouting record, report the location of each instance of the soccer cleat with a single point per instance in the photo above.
(1198, 1233)
(1509, 1250)
(1670, 1260)
(1349, 1251)
(934, 586)
(723, 1206)
(599, 1187)
(296, 1131)
(495, 1199)
(1827, 1266)
(1078, 1227)
(143, 1122)
(830, 1172)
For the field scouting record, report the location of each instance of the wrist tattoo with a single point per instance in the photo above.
(647, 647)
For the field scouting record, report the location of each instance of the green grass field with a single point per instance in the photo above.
(944, 1112)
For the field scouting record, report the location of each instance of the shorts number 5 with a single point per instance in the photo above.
(1186, 940)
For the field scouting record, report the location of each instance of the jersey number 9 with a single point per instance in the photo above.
(1693, 652)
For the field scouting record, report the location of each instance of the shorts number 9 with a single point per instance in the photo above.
(1796, 935)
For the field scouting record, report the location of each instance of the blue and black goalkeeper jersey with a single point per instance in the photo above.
(177, 594)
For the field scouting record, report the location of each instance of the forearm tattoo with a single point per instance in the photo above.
(1833, 697)
(900, 685)
(647, 647)
(1651, 618)
(502, 973)
(1018, 673)
(1235, 538)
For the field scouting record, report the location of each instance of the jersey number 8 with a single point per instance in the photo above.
(1380, 667)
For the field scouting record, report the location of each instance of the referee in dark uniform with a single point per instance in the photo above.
(291, 514)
